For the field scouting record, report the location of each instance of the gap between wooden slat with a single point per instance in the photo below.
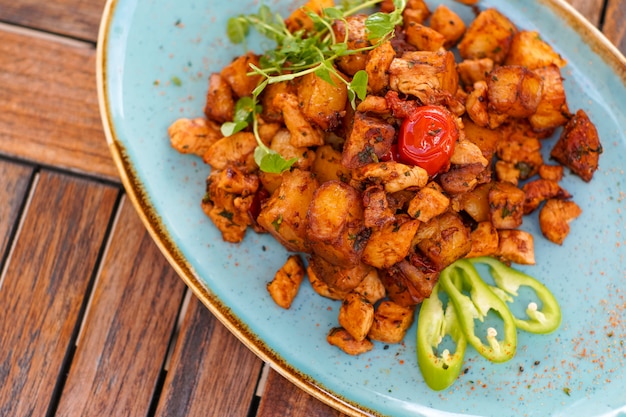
(179, 322)
(47, 36)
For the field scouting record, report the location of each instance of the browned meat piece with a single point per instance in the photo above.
(321, 102)
(286, 283)
(220, 104)
(488, 36)
(516, 246)
(377, 212)
(539, 190)
(391, 322)
(448, 23)
(514, 91)
(529, 50)
(506, 205)
(357, 39)
(554, 219)
(378, 62)
(236, 74)
(193, 135)
(356, 315)
(443, 240)
(343, 340)
(369, 139)
(390, 243)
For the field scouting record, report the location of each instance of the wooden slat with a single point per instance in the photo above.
(591, 9)
(282, 398)
(211, 372)
(14, 180)
(129, 324)
(78, 19)
(44, 287)
(615, 23)
(48, 103)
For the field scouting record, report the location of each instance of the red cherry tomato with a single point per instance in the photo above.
(427, 139)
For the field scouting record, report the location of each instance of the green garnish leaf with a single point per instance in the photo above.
(272, 162)
(237, 30)
(359, 84)
(245, 109)
(230, 128)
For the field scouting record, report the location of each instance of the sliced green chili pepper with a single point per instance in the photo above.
(439, 368)
(462, 277)
(540, 320)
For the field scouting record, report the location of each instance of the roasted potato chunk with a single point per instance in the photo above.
(552, 110)
(236, 74)
(334, 227)
(390, 243)
(488, 36)
(303, 133)
(507, 172)
(321, 287)
(530, 51)
(369, 139)
(514, 91)
(338, 278)
(357, 38)
(423, 37)
(484, 239)
(343, 340)
(391, 322)
(448, 23)
(506, 205)
(220, 103)
(378, 63)
(377, 211)
(193, 136)
(475, 202)
(299, 18)
(284, 217)
(474, 70)
(516, 246)
(327, 165)
(428, 202)
(578, 147)
(356, 315)
(321, 102)
(286, 283)
(371, 287)
(272, 113)
(523, 152)
(407, 284)
(554, 219)
(444, 239)
(486, 139)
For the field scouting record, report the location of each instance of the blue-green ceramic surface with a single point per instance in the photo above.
(154, 61)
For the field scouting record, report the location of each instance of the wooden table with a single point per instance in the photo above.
(93, 320)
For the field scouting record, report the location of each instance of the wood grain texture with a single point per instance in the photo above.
(46, 280)
(282, 398)
(591, 9)
(128, 326)
(211, 372)
(48, 104)
(14, 180)
(78, 19)
(615, 23)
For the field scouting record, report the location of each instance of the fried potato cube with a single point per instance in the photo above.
(407, 284)
(235, 150)
(554, 219)
(428, 202)
(539, 190)
(321, 102)
(343, 340)
(552, 110)
(390, 243)
(220, 104)
(356, 315)
(321, 287)
(378, 63)
(391, 322)
(506, 205)
(299, 18)
(464, 178)
(416, 10)
(272, 113)
(507, 172)
(369, 139)
(474, 70)
(286, 283)
(327, 165)
(338, 278)
(443, 239)
(578, 147)
(514, 91)
(357, 37)
(475, 202)
(423, 37)
(523, 152)
(486, 139)
(230, 194)
(371, 287)
(484, 239)
(281, 143)
(193, 136)
(334, 226)
(488, 36)
(394, 176)
(429, 76)
(516, 246)
(476, 104)
(377, 211)
(551, 172)
(374, 105)
(529, 50)
(236, 74)
(448, 23)
(303, 134)
(284, 214)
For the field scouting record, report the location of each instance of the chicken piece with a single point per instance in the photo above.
(327, 165)
(488, 36)
(530, 51)
(464, 178)
(220, 104)
(357, 38)
(484, 239)
(376, 212)
(281, 143)
(429, 76)
(514, 91)
(339, 279)
(371, 287)
(229, 196)
(429, 202)
(449, 24)
(356, 315)
(539, 190)
(284, 216)
(236, 74)
(506, 205)
(335, 227)
(286, 283)
(321, 102)
(394, 176)
(343, 340)
(410, 281)
(554, 219)
(369, 139)
(523, 152)
(322, 288)
(391, 322)
(423, 37)
(303, 134)
(193, 136)
(236, 150)
(375, 105)
(390, 243)
(552, 110)
(378, 63)
(443, 239)
(474, 70)
(476, 104)
(578, 147)
(551, 172)
(507, 172)
(516, 246)
(466, 152)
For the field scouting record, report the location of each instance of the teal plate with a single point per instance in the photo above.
(154, 59)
